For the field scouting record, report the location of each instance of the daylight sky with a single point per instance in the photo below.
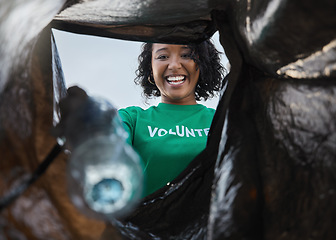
(106, 67)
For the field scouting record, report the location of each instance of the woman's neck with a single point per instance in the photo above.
(185, 102)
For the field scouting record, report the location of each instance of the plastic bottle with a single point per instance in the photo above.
(105, 174)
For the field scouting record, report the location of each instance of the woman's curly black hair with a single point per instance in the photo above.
(204, 54)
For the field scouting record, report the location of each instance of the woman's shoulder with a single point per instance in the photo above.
(206, 109)
(134, 111)
(130, 111)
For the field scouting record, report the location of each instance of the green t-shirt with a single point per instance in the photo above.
(167, 137)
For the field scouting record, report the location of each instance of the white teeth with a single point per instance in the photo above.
(175, 78)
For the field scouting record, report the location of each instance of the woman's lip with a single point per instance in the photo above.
(176, 83)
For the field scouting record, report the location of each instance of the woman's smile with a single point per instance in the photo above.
(176, 80)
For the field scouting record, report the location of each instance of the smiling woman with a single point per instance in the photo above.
(170, 135)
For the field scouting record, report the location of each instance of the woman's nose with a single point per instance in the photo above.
(174, 63)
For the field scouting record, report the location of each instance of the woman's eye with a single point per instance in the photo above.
(186, 55)
(162, 57)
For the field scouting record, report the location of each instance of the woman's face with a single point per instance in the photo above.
(175, 73)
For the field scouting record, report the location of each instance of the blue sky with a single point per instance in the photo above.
(106, 67)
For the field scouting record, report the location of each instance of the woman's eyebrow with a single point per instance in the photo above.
(160, 49)
(164, 49)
